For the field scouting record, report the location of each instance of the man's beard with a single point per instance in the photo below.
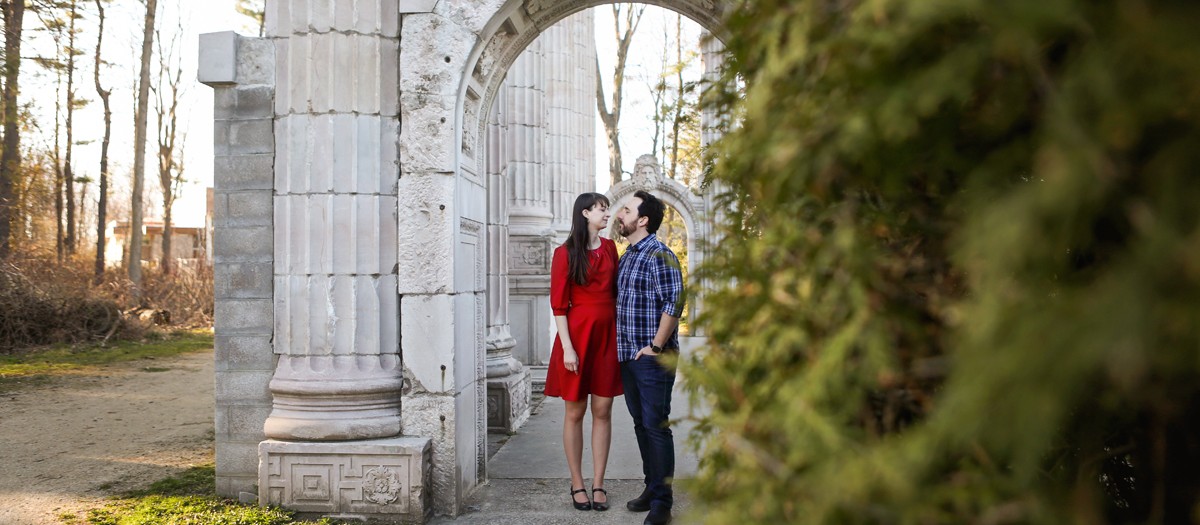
(621, 229)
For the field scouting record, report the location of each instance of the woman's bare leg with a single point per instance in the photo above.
(601, 440)
(573, 444)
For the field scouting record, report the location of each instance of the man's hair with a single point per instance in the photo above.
(652, 209)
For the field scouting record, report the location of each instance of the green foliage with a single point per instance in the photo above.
(961, 264)
(188, 498)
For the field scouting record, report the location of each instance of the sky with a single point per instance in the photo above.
(121, 47)
(122, 44)
(636, 128)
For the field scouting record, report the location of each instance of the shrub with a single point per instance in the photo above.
(961, 265)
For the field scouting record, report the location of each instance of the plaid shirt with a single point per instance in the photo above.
(649, 284)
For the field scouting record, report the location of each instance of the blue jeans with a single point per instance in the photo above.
(648, 388)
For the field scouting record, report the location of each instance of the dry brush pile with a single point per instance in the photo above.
(43, 301)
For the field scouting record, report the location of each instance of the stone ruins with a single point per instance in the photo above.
(390, 180)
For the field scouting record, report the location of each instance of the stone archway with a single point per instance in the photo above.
(351, 247)
(514, 25)
(690, 204)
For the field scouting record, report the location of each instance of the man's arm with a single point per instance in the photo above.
(669, 287)
(667, 324)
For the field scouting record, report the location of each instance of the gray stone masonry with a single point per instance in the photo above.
(243, 255)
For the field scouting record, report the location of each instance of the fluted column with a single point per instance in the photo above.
(336, 308)
(508, 381)
(531, 232)
(558, 80)
(711, 128)
(525, 122)
(583, 46)
(713, 58)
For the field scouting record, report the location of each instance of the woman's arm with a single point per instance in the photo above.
(560, 302)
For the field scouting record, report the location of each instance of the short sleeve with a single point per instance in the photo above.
(560, 285)
(611, 246)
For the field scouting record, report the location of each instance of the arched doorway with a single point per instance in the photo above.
(513, 27)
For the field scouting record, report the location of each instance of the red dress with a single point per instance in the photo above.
(591, 312)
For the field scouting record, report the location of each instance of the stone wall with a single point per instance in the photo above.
(242, 74)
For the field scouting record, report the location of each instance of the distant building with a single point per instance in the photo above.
(189, 244)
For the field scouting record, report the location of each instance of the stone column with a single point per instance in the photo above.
(334, 442)
(712, 57)
(711, 127)
(560, 135)
(508, 381)
(531, 233)
(571, 112)
(584, 99)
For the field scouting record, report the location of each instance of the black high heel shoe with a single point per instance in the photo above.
(600, 505)
(580, 506)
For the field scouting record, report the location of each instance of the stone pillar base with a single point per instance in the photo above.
(538, 373)
(508, 401)
(385, 480)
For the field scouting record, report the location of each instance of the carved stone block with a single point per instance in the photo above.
(385, 479)
(530, 255)
(508, 401)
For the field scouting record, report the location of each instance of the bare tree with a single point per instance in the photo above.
(56, 65)
(631, 14)
(139, 152)
(658, 95)
(10, 157)
(72, 104)
(170, 156)
(58, 18)
(679, 110)
(102, 206)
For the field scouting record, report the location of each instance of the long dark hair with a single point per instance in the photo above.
(577, 242)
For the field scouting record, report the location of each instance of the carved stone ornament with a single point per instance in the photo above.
(537, 5)
(533, 255)
(381, 485)
(647, 173)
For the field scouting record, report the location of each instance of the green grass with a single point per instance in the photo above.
(188, 498)
(35, 365)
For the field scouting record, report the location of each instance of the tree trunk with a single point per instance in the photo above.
(10, 161)
(59, 235)
(139, 153)
(102, 208)
(611, 119)
(170, 166)
(68, 173)
(167, 265)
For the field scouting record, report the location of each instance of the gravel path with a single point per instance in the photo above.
(67, 444)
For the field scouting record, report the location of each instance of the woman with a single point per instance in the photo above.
(583, 363)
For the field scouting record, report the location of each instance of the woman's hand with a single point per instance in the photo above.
(570, 360)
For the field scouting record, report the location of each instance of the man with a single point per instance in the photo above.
(649, 285)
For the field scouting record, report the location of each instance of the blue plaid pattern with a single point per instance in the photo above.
(649, 284)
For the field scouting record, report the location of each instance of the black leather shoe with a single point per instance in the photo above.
(587, 505)
(658, 516)
(640, 503)
(600, 505)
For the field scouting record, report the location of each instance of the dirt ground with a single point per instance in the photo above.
(68, 443)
